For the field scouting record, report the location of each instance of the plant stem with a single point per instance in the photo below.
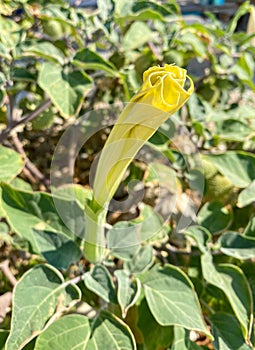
(13, 125)
(95, 244)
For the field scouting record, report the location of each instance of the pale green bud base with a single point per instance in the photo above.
(95, 243)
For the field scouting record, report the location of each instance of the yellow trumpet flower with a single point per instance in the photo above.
(162, 94)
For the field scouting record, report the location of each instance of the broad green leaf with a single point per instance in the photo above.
(90, 60)
(73, 191)
(232, 281)
(56, 248)
(69, 332)
(42, 226)
(20, 184)
(150, 224)
(11, 164)
(155, 336)
(39, 294)
(215, 217)
(22, 74)
(200, 235)
(128, 290)
(227, 333)
(182, 341)
(248, 269)
(250, 228)
(237, 245)
(242, 112)
(45, 50)
(4, 52)
(244, 68)
(66, 90)
(109, 332)
(138, 34)
(105, 8)
(242, 10)
(161, 173)
(2, 212)
(237, 166)
(100, 282)
(44, 120)
(11, 32)
(123, 240)
(3, 336)
(142, 10)
(195, 43)
(141, 261)
(172, 299)
(233, 130)
(247, 196)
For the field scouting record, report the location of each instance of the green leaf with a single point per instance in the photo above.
(42, 226)
(3, 336)
(128, 290)
(242, 10)
(11, 33)
(125, 238)
(237, 245)
(69, 332)
(172, 299)
(244, 68)
(237, 166)
(4, 52)
(141, 261)
(73, 191)
(246, 196)
(248, 269)
(233, 130)
(155, 336)
(66, 90)
(182, 341)
(109, 332)
(215, 217)
(11, 164)
(21, 184)
(161, 173)
(200, 235)
(149, 223)
(105, 8)
(2, 212)
(22, 74)
(227, 333)
(123, 241)
(138, 34)
(142, 10)
(44, 120)
(90, 60)
(56, 248)
(250, 228)
(100, 282)
(232, 281)
(44, 50)
(37, 297)
(195, 43)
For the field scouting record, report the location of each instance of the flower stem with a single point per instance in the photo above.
(95, 243)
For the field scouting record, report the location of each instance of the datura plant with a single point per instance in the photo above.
(163, 93)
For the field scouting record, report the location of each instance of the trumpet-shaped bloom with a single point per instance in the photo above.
(162, 94)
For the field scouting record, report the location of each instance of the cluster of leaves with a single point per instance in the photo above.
(186, 286)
